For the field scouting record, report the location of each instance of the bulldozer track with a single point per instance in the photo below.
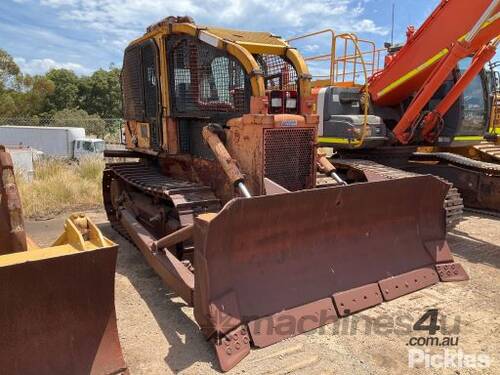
(459, 161)
(453, 204)
(188, 198)
(490, 149)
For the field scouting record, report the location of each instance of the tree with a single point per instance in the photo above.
(8, 105)
(101, 93)
(31, 98)
(9, 70)
(66, 90)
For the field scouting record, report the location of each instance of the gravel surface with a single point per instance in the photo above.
(159, 334)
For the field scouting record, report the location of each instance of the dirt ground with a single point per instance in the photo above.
(159, 335)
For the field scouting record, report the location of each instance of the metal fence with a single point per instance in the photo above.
(109, 129)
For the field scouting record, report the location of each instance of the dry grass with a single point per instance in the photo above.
(60, 186)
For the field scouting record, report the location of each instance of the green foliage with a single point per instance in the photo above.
(100, 93)
(84, 100)
(66, 92)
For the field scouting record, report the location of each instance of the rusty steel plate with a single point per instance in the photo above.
(280, 326)
(397, 286)
(357, 299)
(451, 272)
(286, 250)
(439, 250)
(232, 348)
(58, 315)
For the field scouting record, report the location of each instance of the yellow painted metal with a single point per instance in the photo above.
(184, 28)
(406, 77)
(302, 70)
(163, 70)
(247, 37)
(332, 47)
(413, 72)
(339, 141)
(259, 48)
(71, 241)
(250, 65)
(468, 138)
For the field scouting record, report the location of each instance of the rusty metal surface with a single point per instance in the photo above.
(373, 171)
(439, 250)
(12, 232)
(397, 286)
(173, 273)
(292, 322)
(282, 251)
(58, 316)
(357, 299)
(478, 189)
(232, 348)
(451, 272)
(289, 156)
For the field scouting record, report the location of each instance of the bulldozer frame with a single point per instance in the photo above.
(225, 203)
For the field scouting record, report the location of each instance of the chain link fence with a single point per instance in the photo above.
(109, 129)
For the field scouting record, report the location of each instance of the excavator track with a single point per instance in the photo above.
(459, 161)
(453, 204)
(477, 181)
(188, 198)
(490, 149)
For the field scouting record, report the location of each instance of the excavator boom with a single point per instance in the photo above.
(450, 23)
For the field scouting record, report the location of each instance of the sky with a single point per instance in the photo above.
(85, 35)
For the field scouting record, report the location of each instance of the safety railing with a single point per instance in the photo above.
(350, 58)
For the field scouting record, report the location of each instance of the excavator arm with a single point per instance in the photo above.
(429, 57)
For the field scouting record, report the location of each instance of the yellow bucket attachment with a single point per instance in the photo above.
(57, 305)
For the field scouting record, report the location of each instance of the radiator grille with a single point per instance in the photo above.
(289, 157)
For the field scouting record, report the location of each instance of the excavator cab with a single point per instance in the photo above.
(225, 203)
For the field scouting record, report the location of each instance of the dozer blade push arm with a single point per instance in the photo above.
(12, 234)
(404, 130)
(226, 161)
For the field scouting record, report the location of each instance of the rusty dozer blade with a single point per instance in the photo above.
(271, 267)
(57, 313)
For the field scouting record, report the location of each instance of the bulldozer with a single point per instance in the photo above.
(423, 107)
(224, 201)
(57, 302)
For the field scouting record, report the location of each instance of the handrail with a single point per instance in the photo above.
(332, 47)
(344, 65)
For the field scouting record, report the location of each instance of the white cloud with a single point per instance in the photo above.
(40, 66)
(129, 18)
(58, 3)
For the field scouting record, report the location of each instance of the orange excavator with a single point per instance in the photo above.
(431, 92)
